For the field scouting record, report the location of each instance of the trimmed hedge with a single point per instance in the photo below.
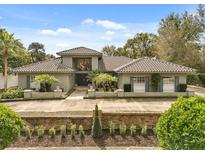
(12, 93)
(183, 125)
(10, 125)
(182, 87)
(127, 87)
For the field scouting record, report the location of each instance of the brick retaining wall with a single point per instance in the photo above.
(139, 119)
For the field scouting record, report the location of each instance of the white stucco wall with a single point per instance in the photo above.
(68, 60)
(66, 81)
(94, 63)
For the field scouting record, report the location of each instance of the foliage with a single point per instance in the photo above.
(10, 126)
(27, 132)
(96, 127)
(196, 79)
(109, 50)
(45, 81)
(37, 51)
(52, 132)
(105, 80)
(180, 35)
(144, 131)
(73, 130)
(182, 87)
(12, 93)
(182, 125)
(112, 128)
(127, 87)
(133, 130)
(40, 131)
(123, 129)
(81, 131)
(142, 45)
(155, 82)
(91, 77)
(63, 131)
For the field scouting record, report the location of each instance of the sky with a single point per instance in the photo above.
(60, 27)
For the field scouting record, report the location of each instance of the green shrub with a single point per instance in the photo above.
(133, 129)
(127, 88)
(196, 79)
(144, 131)
(63, 131)
(202, 78)
(96, 127)
(73, 130)
(27, 132)
(12, 93)
(81, 131)
(123, 129)
(182, 87)
(40, 131)
(52, 132)
(112, 128)
(183, 125)
(10, 126)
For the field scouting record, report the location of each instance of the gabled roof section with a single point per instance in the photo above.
(109, 63)
(80, 51)
(48, 66)
(152, 65)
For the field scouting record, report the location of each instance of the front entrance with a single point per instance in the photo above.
(80, 79)
(168, 84)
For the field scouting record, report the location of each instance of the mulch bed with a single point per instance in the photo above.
(105, 141)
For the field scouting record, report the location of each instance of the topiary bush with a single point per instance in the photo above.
(12, 93)
(183, 125)
(10, 126)
(96, 127)
(127, 87)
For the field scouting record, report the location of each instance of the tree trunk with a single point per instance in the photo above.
(5, 68)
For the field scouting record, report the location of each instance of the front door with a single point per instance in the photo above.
(168, 84)
(81, 80)
(139, 84)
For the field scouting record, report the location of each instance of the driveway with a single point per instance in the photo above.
(200, 91)
(85, 106)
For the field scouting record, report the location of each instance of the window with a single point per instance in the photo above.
(168, 80)
(82, 64)
(139, 79)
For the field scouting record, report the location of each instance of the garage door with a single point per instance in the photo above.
(168, 84)
(139, 84)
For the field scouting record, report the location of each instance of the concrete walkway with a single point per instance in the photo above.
(86, 148)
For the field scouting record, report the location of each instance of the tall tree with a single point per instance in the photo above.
(7, 45)
(109, 50)
(180, 36)
(37, 51)
(142, 45)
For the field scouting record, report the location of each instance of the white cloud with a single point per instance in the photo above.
(62, 44)
(48, 32)
(63, 30)
(55, 32)
(110, 33)
(110, 24)
(128, 35)
(88, 21)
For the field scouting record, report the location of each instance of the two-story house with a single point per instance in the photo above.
(73, 65)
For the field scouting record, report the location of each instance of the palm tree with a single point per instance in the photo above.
(7, 44)
(37, 51)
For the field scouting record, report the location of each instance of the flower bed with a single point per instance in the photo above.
(88, 141)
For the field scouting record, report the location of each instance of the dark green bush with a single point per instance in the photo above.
(12, 93)
(196, 79)
(182, 87)
(96, 127)
(202, 78)
(183, 125)
(127, 87)
(10, 126)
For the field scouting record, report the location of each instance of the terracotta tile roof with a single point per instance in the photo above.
(48, 66)
(82, 51)
(152, 65)
(109, 63)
